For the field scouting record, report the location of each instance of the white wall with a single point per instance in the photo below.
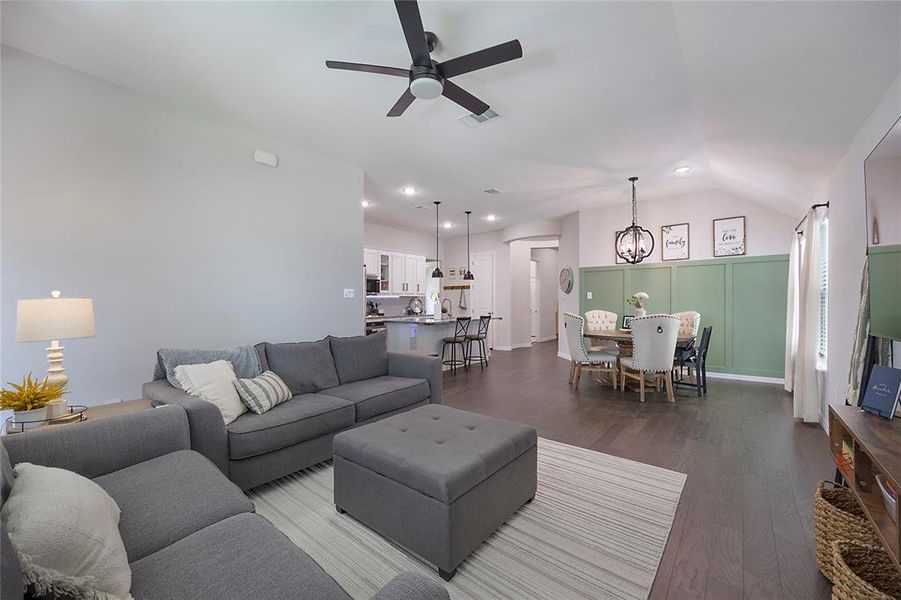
(847, 239)
(163, 218)
(548, 259)
(768, 231)
(381, 237)
(568, 257)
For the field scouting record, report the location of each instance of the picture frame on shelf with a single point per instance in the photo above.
(627, 322)
(675, 240)
(729, 237)
(616, 258)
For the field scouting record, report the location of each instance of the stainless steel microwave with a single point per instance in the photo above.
(373, 285)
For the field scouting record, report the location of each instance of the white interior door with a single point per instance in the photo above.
(482, 295)
(533, 299)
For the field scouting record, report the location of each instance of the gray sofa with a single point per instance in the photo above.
(338, 383)
(188, 531)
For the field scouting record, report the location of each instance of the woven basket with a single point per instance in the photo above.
(838, 516)
(863, 572)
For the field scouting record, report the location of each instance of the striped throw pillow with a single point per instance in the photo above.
(262, 392)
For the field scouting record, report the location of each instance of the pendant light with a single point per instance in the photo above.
(468, 276)
(437, 272)
(635, 243)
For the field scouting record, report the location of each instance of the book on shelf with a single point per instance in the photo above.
(883, 390)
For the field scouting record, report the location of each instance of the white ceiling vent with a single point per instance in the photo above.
(474, 120)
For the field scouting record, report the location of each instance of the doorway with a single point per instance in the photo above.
(534, 284)
(482, 295)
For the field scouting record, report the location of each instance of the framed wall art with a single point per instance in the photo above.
(674, 240)
(729, 237)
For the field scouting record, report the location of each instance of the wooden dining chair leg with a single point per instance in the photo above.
(641, 385)
(669, 387)
(578, 374)
(572, 371)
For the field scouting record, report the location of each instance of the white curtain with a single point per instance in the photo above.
(791, 313)
(804, 379)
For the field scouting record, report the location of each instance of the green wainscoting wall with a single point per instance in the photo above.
(743, 298)
(885, 290)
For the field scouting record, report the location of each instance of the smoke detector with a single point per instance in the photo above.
(474, 120)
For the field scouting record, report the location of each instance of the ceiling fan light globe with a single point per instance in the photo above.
(426, 87)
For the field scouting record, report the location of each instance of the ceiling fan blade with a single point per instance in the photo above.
(348, 66)
(483, 58)
(402, 104)
(454, 92)
(411, 22)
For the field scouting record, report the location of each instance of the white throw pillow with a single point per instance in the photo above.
(65, 529)
(215, 383)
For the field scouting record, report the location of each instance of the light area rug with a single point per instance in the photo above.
(596, 529)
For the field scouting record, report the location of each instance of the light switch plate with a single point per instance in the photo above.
(349, 292)
(588, 295)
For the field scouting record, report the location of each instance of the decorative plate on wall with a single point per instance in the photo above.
(566, 280)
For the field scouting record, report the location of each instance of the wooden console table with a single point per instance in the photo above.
(877, 449)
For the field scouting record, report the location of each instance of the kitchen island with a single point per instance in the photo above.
(423, 335)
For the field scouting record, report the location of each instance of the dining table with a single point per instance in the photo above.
(623, 338)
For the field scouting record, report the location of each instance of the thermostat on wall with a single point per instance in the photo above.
(265, 158)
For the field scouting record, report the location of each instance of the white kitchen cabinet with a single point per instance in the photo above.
(398, 279)
(419, 277)
(410, 274)
(371, 262)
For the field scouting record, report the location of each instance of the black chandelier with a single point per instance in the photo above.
(468, 276)
(437, 272)
(635, 243)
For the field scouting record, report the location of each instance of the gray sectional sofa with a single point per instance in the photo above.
(338, 383)
(188, 531)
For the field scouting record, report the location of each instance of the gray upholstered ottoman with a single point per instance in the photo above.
(436, 480)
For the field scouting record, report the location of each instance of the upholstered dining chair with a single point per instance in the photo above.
(582, 359)
(689, 323)
(653, 347)
(601, 320)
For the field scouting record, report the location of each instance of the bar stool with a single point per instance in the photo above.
(459, 338)
(480, 338)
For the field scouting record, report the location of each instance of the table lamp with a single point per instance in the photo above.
(54, 319)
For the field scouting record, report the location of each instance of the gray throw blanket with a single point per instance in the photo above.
(243, 358)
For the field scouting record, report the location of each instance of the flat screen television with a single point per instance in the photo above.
(882, 172)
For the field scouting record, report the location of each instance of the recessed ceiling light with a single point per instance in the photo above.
(409, 190)
(365, 203)
(448, 224)
(491, 217)
(684, 170)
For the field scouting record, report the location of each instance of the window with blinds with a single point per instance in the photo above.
(823, 277)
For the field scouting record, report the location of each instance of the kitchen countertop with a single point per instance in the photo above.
(422, 319)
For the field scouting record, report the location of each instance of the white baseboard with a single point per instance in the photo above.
(740, 377)
(513, 347)
(546, 339)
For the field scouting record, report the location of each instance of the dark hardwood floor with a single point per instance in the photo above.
(744, 526)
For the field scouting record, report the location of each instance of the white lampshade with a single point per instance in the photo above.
(47, 319)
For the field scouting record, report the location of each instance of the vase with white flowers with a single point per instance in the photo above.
(639, 300)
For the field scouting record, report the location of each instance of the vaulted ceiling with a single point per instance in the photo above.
(759, 98)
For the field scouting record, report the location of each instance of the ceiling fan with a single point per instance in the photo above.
(429, 79)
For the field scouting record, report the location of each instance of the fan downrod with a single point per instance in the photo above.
(432, 40)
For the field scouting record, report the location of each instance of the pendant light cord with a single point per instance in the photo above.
(634, 205)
